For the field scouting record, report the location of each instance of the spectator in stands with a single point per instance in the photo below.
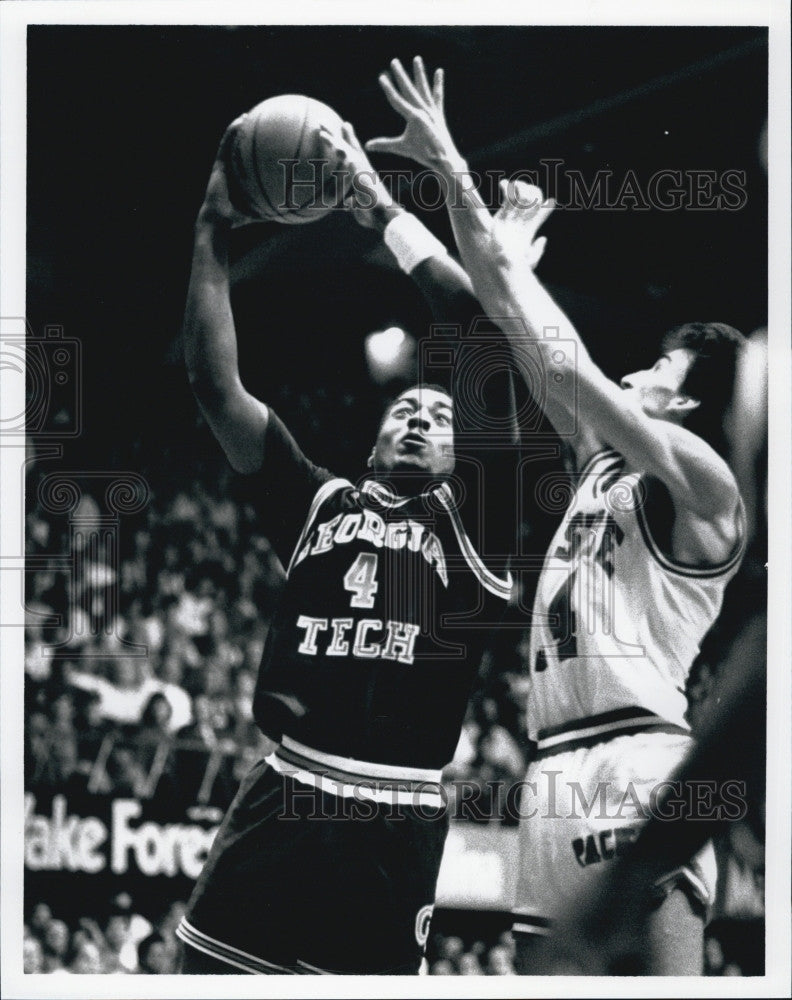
(451, 948)
(713, 956)
(455, 959)
(57, 940)
(126, 774)
(87, 930)
(87, 959)
(168, 924)
(156, 718)
(40, 919)
(244, 685)
(120, 948)
(469, 965)
(32, 954)
(202, 730)
(123, 693)
(171, 677)
(154, 955)
(65, 773)
(38, 655)
(63, 712)
(175, 643)
(155, 745)
(37, 745)
(500, 961)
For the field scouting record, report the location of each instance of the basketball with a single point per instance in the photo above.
(272, 173)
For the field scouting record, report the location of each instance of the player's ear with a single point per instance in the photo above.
(370, 459)
(682, 406)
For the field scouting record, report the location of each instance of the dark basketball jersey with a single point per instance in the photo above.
(381, 624)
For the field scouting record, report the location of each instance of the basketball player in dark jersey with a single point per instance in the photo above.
(328, 858)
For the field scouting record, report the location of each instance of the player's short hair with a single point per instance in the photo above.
(711, 376)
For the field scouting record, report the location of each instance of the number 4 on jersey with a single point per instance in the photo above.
(361, 580)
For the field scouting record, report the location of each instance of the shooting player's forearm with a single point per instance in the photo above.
(210, 347)
(448, 290)
(441, 280)
(382, 214)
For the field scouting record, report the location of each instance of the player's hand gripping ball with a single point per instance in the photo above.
(272, 176)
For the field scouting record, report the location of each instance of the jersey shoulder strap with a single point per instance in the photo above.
(325, 491)
(495, 585)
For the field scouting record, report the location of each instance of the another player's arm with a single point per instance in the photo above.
(498, 254)
(442, 280)
(449, 292)
(697, 478)
(427, 140)
(238, 420)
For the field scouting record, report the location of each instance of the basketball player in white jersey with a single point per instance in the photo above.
(634, 577)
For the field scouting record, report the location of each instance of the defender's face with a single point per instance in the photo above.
(417, 434)
(658, 390)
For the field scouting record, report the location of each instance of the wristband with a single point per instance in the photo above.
(410, 242)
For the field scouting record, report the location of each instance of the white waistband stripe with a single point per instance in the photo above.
(422, 794)
(599, 730)
(225, 952)
(361, 768)
(314, 968)
(530, 929)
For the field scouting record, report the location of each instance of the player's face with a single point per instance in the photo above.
(658, 389)
(417, 434)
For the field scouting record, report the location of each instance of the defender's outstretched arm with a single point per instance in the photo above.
(498, 254)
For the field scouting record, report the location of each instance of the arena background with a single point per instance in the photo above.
(123, 123)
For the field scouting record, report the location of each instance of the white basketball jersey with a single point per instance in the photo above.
(616, 623)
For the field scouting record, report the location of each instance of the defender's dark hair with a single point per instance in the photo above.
(710, 379)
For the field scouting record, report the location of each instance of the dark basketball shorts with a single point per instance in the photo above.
(301, 879)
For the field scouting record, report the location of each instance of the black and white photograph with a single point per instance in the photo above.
(395, 453)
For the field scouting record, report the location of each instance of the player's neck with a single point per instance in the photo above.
(405, 483)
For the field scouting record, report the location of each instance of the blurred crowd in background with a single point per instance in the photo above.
(123, 941)
(146, 686)
(142, 644)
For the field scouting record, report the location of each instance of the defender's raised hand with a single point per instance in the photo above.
(516, 223)
(426, 138)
